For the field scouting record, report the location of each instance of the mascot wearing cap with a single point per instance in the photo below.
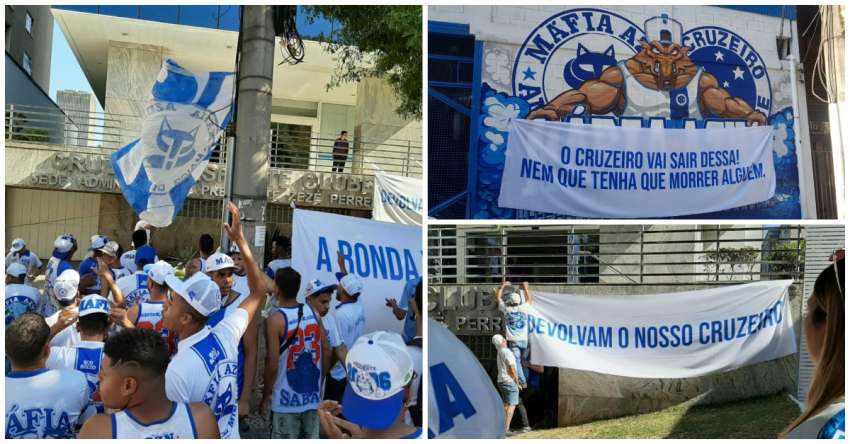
(661, 80)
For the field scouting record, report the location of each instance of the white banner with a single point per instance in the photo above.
(462, 400)
(385, 256)
(673, 335)
(599, 172)
(397, 199)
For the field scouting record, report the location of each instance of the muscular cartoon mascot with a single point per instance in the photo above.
(661, 80)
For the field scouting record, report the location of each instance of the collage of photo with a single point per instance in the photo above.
(424, 221)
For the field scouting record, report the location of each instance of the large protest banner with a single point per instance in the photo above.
(672, 335)
(183, 121)
(600, 172)
(384, 255)
(397, 199)
(462, 401)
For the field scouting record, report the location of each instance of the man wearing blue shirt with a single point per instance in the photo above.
(403, 309)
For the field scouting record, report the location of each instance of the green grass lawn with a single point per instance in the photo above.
(762, 417)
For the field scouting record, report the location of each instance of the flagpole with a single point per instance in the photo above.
(248, 185)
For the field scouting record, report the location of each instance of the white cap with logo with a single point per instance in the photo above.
(17, 245)
(110, 248)
(159, 271)
(98, 241)
(378, 369)
(16, 269)
(352, 284)
(92, 304)
(199, 291)
(316, 286)
(66, 285)
(219, 261)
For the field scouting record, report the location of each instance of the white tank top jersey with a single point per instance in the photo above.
(20, 299)
(298, 385)
(150, 316)
(205, 368)
(134, 287)
(179, 425)
(350, 322)
(642, 101)
(86, 357)
(45, 403)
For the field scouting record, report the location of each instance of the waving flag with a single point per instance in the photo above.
(185, 118)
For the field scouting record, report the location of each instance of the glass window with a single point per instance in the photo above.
(27, 63)
(28, 24)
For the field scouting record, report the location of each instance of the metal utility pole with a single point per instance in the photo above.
(248, 184)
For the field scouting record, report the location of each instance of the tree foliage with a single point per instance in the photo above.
(377, 41)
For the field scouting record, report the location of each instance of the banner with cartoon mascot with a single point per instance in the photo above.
(622, 69)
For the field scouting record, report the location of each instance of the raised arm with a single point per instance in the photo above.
(256, 279)
(341, 262)
(109, 283)
(501, 289)
(527, 293)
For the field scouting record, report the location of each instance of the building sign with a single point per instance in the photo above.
(616, 68)
(465, 309)
(91, 172)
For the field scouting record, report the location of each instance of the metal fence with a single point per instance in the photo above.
(290, 146)
(615, 255)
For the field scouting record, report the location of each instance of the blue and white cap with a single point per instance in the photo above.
(199, 291)
(378, 369)
(63, 245)
(98, 241)
(16, 269)
(219, 261)
(316, 286)
(234, 249)
(66, 285)
(17, 245)
(352, 284)
(93, 304)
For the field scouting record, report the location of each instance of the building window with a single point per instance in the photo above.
(27, 63)
(290, 146)
(28, 23)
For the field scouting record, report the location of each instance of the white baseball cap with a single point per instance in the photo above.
(199, 291)
(378, 369)
(17, 245)
(498, 340)
(316, 286)
(92, 304)
(219, 261)
(514, 298)
(16, 269)
(63, 245)
(352, 284)
(98, 241)
(128, 260)
(159, 271)
(110, 248)
(66, 285)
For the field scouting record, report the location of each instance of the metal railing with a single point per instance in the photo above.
(304, 150)
(619, 255)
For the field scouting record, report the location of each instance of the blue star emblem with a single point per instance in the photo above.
(528, 74)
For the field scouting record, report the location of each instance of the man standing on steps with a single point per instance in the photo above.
(205, 367)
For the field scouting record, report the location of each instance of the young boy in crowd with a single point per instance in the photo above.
(132, 381)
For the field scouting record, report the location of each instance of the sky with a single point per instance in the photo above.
(65, 71)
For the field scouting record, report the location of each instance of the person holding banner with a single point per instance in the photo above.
(507, 378)
(350, 320)
(824, 330)
(516, 322)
